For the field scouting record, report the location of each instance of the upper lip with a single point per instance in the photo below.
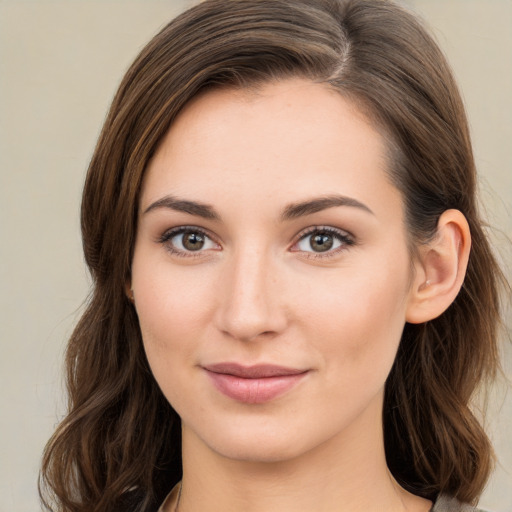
(258, 371)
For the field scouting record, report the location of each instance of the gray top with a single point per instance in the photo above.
(443, 503)
(447, 504)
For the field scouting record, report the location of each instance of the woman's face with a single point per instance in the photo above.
(271, 273)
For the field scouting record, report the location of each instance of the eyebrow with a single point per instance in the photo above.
(318, 204)
(290, 212)
(182, 205)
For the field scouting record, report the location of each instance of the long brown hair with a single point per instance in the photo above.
(119, 446)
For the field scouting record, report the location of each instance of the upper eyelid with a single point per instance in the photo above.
(330, 229)
(304, 232)
(169, 233)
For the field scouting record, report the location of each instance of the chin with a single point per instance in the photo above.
(259, 452)
(271, 442)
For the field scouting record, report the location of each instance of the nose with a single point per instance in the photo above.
(250, 307)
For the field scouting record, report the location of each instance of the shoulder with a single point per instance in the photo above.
(445, 503)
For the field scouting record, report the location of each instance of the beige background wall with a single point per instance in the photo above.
(60, 62)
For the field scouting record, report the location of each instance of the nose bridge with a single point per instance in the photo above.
(250, 301)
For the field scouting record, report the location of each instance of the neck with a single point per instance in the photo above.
(348, 472)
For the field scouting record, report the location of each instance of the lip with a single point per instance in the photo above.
(253, 384)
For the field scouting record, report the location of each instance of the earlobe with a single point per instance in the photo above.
(128, 290)
(440, 268)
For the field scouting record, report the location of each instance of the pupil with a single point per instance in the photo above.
(321, 242)
(193, 241)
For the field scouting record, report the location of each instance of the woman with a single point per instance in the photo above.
(294, 300)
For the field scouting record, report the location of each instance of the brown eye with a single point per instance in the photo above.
(192, 241)
(187, 241)
(325, 241)
(321, 242)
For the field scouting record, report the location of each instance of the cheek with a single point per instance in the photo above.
(173, 312)
(356, 320)
(174, 309)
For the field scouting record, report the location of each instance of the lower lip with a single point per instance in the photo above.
(254, 391)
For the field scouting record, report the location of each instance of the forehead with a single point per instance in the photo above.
(285, 140)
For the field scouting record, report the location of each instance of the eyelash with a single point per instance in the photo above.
(342, 236)
(171, 233)
(345, 238)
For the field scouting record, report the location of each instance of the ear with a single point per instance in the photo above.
(440, 269)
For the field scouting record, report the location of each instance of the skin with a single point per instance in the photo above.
(257, 292)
